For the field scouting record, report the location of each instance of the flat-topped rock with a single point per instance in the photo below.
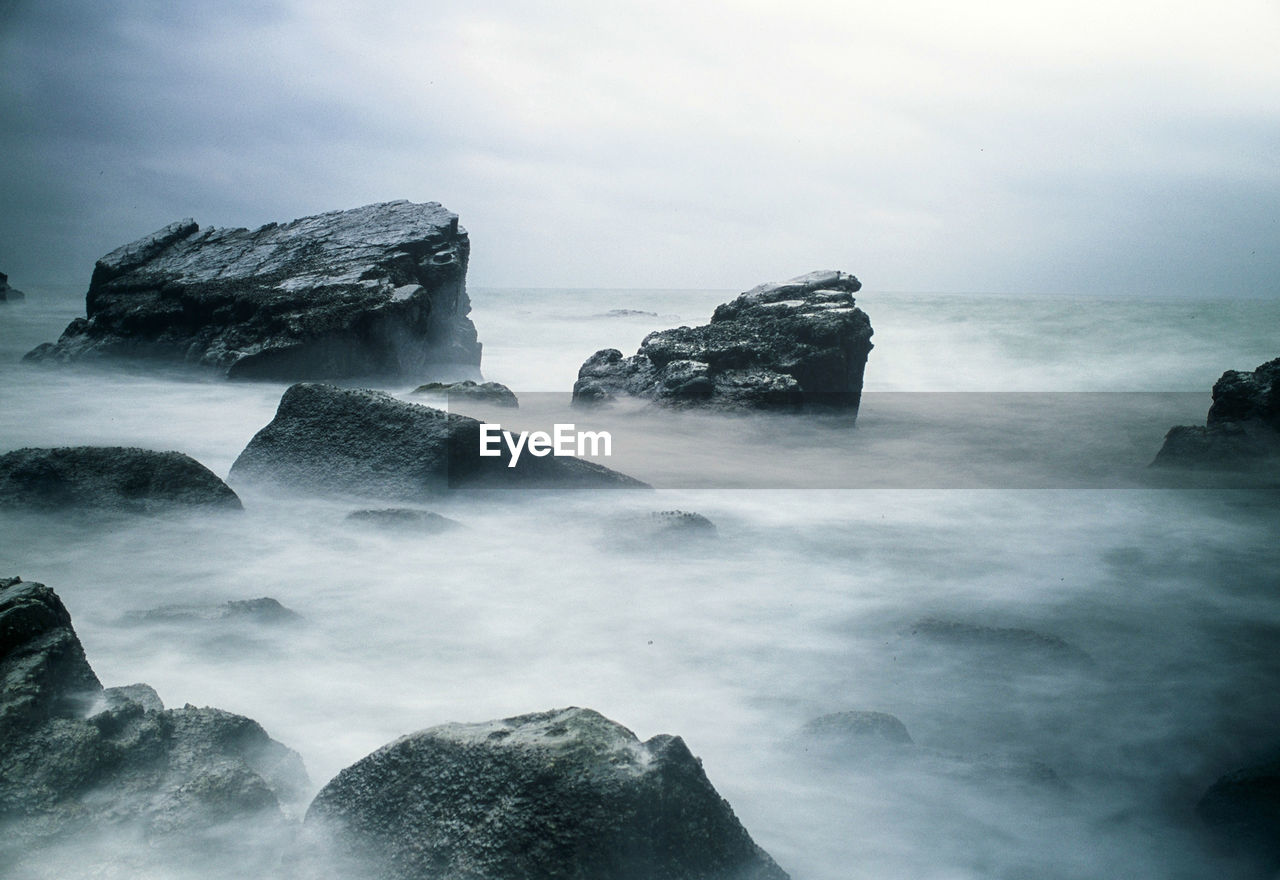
(560, 794)
(797, 343)
(117, 478)
(1242, 429)
(377, 290)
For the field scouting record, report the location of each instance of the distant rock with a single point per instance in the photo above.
(1002, 646)
(658, 529)
(404, 519)
(7, 293)
(1242, 429)
(850, 728)
(109, 478)
(561, 794)
(1243, 810)
(333, 440)
(378, 290)
(264, 610)
(489, 392)
(81, 762)
(626, 313)
(784, 344)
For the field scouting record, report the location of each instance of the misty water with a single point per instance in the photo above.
(996, 478)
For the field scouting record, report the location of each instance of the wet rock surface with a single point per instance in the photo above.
(377, 290)
(489, 392)
(332, 440)
(114, 478)
(784, 344)
(558, 794)
(1241, 431)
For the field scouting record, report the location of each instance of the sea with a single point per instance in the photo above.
(1077, 644)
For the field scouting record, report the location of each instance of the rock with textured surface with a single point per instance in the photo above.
(7, 293)
(109, 478)
(332, 440)
(1242, 429)
(487, 392)
(561, 794)
(784, 344)
(378, 290)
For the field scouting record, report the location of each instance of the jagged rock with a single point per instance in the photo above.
(1242, 429)
(404, 519)
(79, 761)
(1243, 810)
(783, 344)
(359, 442)
(489, 392)
(378, 290)
(7, 293)
(847, 728)
(263, 610)
(558, 794)
(109, 478)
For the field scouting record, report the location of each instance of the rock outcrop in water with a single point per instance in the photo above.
(1243, 810)
(785, 344)
(332, 440)
(81, 762)
(109, 478)
(378, 290)
(561, 794)
(1242, 429)
(7, 293)
(486, 392)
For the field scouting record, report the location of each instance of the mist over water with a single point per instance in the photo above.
(1106, 648)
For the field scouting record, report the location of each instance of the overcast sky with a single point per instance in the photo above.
(1105, 146)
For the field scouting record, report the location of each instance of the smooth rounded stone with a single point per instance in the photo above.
(403, 519)
(1004, 646)
(854, 727)
(265, 610)
(1242, 809)
(353, 442)
(1241, 431)
(560, 794)
(7, 293)
(373, 291)
(792, 344)
(488, 392)
(109, 478)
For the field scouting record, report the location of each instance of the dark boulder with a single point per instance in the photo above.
(7, 293)
(785, 344)
(367, 443)
(558, 794)
(487, 392)
(378, 290)
(1243, 810)
(403, 519)
(1241, 431)
(109, 478)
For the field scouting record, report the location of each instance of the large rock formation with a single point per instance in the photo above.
(561, 794)
(378, 290)
(333, 440)
(784, 344)
(109, 478)
(80, 764)
(7, 293)
(1242, 429)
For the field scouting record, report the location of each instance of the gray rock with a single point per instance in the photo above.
(404, 519)
(853, 727)
(1243, 810)
(561, 794)
(142, 694)
(661, 529)
(7, 293)
(489, 392)
(263, 610)
(626, 313)
(784, 344)
(358, 442)
(109, 478)
(378, 290)
(1241, 431)
(1007, 647)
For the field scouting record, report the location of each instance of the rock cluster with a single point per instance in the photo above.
(378, 290)
(1242, 429)
(784, 344)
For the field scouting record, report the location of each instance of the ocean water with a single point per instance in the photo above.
(1119, 655)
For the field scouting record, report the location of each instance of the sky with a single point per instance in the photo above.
(1083, 147)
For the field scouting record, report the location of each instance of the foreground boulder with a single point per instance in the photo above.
(784, 344)
(561, 794)
(7, 293)
(1243, 810)
(109, 478)
(357, 442)
(1242, 429)
(378, 290)
(83, 764)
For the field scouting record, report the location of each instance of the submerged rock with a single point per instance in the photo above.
(378, 290)
(558, 794)
(847, 728)
(109, 478)
(1243, 810)
(404, 519)
(489, 392)
(784, 344)
(262, 610)
(998, 645)
(7, 293)
(657, 530)
(358, 442)
(1242, 429)
(81, 761)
